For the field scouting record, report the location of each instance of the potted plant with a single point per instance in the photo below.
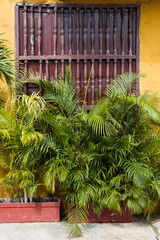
(105, 158)
(20, 141)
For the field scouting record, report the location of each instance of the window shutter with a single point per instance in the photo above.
(50, 37)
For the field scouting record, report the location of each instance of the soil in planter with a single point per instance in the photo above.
(34, 199)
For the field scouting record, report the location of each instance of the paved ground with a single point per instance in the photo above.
(138, 230)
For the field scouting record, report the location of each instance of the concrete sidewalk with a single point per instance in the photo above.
(138, 230)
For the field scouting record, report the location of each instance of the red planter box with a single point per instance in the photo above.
(30, 212)
(107, 215)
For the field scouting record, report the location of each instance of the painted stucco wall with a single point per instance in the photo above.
(149, 34)
(150, 45)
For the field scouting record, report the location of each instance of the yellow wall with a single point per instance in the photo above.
(149, 34)
(150, 45)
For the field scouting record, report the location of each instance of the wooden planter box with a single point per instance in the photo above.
(30, 212)
(107, 215)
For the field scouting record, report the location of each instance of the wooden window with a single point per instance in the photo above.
(50, 37)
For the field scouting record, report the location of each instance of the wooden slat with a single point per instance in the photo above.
(55, 31)
(85, 31)
(85, 75)
(32, 31)
(40, 68)
(100, 76)
(39, 30)
(137, 37)
(137, 46)
(65, 5)
(70, 31)
(62, 69)
(47, 69)
(130, 70)
(130, 65)
(62, 31)
(100, 31)
(25, 66)
(123, 12)
(92, 32)
(75, 57)
(70, 66)
(77, 30)
(56, 69)
(78, 79)
(25, 30)
(115, 67)
(115, 30)
(107, 72)
(130, 31)
(107, 32)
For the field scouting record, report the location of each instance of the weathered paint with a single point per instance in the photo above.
(30, 212)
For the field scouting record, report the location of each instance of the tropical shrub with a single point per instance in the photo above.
(20, 141)
(107, 157)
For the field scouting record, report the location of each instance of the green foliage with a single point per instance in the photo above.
(20, 140)
(77, 218)
(6, 67)
(107, 157)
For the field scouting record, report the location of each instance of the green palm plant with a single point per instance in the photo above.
(107, 157)
(132, 150)
(20, 139)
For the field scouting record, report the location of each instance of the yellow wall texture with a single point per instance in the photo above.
(149, 33)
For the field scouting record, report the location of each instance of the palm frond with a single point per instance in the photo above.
(77, 218)
(6, 65)
(58, 92)
(140, 172)
(135, 205)
(123, 85)
(100, 119)
(31, 137)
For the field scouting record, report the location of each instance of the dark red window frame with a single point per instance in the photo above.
(51, 36)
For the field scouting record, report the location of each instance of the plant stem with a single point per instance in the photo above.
(87, 87)
(25, 196)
